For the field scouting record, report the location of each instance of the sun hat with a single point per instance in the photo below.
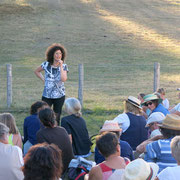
(155, 117)
(110, 125)
(151, 97)
(171, 121)
(140, 170)
(134, 101)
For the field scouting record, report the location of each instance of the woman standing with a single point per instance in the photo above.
(55, 76)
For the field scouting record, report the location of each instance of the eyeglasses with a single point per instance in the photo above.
(149, 103)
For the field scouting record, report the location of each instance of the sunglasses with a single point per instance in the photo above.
(149, 103)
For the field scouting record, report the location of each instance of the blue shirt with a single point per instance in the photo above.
(160, 153)
(161, 108)
(32, 124)
(126, 151)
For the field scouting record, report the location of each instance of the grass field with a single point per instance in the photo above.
(117, 40)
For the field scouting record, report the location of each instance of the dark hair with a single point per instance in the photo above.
(52, 49)
(142, 95)
(169, 133)
(155, 102)
(36, 106)
(106, 143)
(43, 161)
(47, 117)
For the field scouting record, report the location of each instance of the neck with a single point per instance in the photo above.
(112, 157)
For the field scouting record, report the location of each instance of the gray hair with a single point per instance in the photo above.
(73, 106)
(175, 148)
(3, 130)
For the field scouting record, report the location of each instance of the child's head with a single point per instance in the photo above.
(175, 148)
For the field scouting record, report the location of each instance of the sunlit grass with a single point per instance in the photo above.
(141, 31)
(21, 2)
(171, 77)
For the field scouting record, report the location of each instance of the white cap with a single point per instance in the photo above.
(155, 117)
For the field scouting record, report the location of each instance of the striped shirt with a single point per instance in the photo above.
(160, 153)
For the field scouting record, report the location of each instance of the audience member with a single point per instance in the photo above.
(132, 123)
(159, 151)
(56, 135)
(43, 162)
(153, 122)
(75, 126)
(140, 170)
(172, 173)
(126, 150)
(165, 101)
(11, 157)
(32, 125)
(14, 135)
(153, 102)
(114, 165)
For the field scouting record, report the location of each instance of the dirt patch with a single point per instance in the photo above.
(15, 9)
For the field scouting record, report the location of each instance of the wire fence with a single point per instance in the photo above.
(104, 86)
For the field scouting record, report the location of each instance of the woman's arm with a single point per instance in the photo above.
(38, 73)
(63, 72)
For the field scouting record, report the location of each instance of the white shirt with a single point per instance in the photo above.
(123, 121)
(166, 103)
(176, 108)
(155, 133)
(11, 161)
(170, 173)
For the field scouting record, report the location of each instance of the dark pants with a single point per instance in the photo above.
(57, 106)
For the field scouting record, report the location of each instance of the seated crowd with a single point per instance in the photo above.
(142, 143)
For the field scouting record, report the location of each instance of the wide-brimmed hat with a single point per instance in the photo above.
(155, 117)
(110, 125)
(140, 170)
(134, 101)
(171, 121)
(151, 97)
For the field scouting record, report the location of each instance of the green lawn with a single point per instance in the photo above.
(118, 42)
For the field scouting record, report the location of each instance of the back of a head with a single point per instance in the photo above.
(161, 91)
(107, 143)
(47, 117)
(175, 148)
(73, 106)
(36, 106)
(43, 161)
(9, 120)
(3, 130)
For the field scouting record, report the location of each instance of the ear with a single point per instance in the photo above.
(118, 149)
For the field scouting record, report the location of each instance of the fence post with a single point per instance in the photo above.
(156, 76)
(9, 84)
(81, 82)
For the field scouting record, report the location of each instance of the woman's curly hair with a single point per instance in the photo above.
(43, 161)
(52, 49)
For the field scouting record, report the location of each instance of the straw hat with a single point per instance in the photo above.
(171, 121)
(134, 101)
(140, 170)
(155, 117)
(151, 97)
(110, 126)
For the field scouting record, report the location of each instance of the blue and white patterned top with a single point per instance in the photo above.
(160, 153)
(53, 87)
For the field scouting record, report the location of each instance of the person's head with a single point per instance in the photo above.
(43, 161)
(161, 91)
(141, 96)
(133, 105)
(4, 133)
(175, 148)
(140, 170)
(9, 120)
(170, 126)
(111, 126)
(73, 106)
(154, 119)
(52, 50)
(37, 106)
(151, 101)
(47, 117)
(108, 144)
